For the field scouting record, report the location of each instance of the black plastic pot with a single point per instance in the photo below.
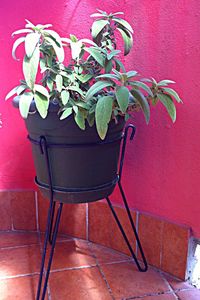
(85, 168)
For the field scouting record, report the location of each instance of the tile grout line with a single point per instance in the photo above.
(150, 295)
(19, 276)
(74, 268)
(36, 211)
(168, 284)
(101, 272)
(19, 246)
(106, 282)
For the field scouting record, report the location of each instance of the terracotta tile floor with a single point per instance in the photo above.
(80, 270)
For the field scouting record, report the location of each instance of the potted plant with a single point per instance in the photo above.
(82, 105)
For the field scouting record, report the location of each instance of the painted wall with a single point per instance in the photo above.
(162, 171)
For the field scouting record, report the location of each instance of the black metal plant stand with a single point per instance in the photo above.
(53, 222)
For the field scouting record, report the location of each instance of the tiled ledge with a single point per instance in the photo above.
(165, 244)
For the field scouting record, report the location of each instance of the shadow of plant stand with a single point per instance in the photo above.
(52, 230)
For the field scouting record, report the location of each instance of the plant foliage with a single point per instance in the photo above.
(94, 86)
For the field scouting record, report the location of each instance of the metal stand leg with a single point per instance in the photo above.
(51, 224)
(49, 235)
(140, 268)
(54, 236)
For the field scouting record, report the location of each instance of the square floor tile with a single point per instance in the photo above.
(5, 211)
(72, 254)
(175, 242)
(73, 220)
(177, 284)
(12, 239)
(150, 233)
(21, 288)
(126, 281)
(107, 255)
(83, 284)
(189, 295)
(23, 210)
(160, 297)
(17, 261)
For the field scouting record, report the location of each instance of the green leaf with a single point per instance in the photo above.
(122, 95)
(80, 120)
(97, 26)
(91, 119)
(109, 76)
(103, 114)
(143, 86)
(84, 77)
(87, 41)
(31, 42)
(75, 89)
(16, 44)
(64, 97)
(95, 88)
(118, 13)
(66, 113)
(167, 101)
(102, 12)
(21, 89)
(42, 104)
(112, 54)
(108, 66)
(12, 92)
(59, 82)
(96, 54)
(131, 74)
(24, 104)
(43, 26)
(76, 48)
(119, 65)
(55, 35)
(140, 98)
(96, 15)
(42, 90)
(50, 84)
(21, 31)
(173, 93)
(29, 24)
(123, 23)
(127, 117)
(30, 67)
(73, 38)
(75, 109)
(165, 82)
(82, 105)
(128, 41)
(59, 51)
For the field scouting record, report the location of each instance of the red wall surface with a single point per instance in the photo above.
(162, 170)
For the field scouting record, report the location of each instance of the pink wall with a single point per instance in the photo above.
(162, 171)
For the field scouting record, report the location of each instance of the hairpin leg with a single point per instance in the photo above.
(54, 236)
(49, 235)
(140, 268)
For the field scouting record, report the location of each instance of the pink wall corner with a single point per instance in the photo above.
(161, 174)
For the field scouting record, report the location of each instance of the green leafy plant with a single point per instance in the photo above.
(94, 86)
